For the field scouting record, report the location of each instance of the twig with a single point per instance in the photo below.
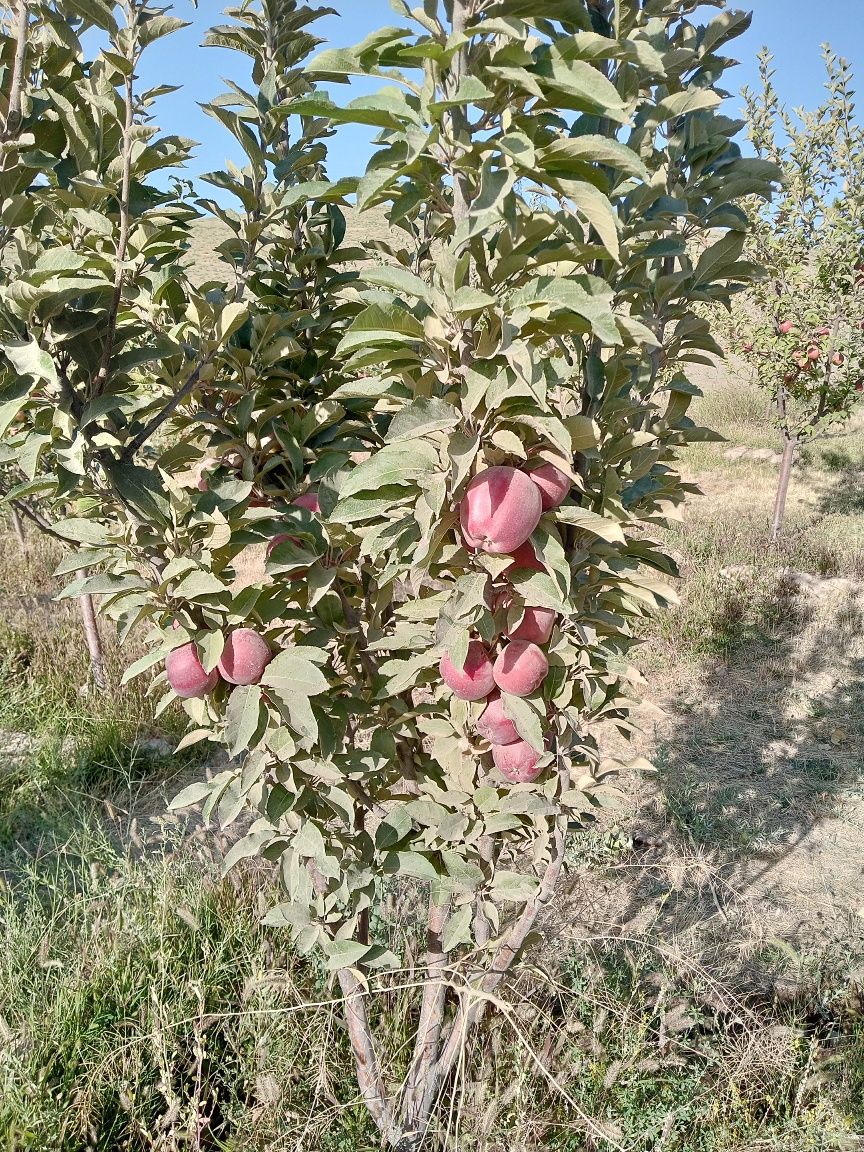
(14, 112)
(159, 419)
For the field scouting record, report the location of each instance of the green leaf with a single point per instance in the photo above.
(381, 325)
(295, 672)
(529, 718)
(242, 717)
(591, 522)
(563, 154)
(344, 954)
(399, 280)
(513, 886)
(457, 929)
(469, 301)
(199, 583)
(252, 844)
(82, 531)
(28, 359)
(193, 794)
(96, 12)
(428, 414)
(394, 464)
(393, 828)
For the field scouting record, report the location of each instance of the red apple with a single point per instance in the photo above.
(474, 680)
(495, 725)
(500, 509)
(521, 668)
(244, 657)
(517, 762)
(186, 673)
(554, 485)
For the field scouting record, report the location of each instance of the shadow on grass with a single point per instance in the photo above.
(763, 747)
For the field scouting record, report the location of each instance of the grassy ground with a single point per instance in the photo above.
(701, 987)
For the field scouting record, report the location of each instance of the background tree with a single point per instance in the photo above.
(802, 327)
(455, 458)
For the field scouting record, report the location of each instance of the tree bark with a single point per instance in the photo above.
(94, 642)
(431, 1022)
(369, 1078)
(18, 529)
(14, 110)
(783, 486)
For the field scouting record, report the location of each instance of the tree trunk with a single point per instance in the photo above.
(94, 642)
(18, 529)
(783, 486)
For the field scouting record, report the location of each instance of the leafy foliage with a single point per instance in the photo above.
(802, 327)
(548, 182)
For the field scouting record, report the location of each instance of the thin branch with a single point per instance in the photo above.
(122, 241)
(14, 111)
(94, 641)
(164, 413)
(431, 1019)
(38, 519)
(369, 1076)
(470, 1012)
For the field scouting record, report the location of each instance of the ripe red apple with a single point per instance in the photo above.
(823, 331)
(517, 761)
(813, 353)
(535, 626)
(309, 501)
(788, 377)
(244, 657)
(554, 485)
(186, 673)
(475, 680)
(525, 557)
(521, 668)
(500, 509)
(785, 327)
(802, 361)
(495, 725)
(838, 358)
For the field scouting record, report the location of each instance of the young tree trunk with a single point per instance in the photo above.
(783, 485)
(18, 529)
(94, 642)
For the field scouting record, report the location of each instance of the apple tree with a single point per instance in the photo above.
(802, 326)
(446, 458)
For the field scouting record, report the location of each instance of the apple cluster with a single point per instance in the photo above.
(243, 660)
(499, 512)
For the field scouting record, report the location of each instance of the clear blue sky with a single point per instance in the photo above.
(793, 29)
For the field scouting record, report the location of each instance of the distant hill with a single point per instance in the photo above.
(208, 234)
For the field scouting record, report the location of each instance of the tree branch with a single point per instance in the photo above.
(431, 1021)
(362, 1042)
(470, 1011)
(14, 111)
(122, 242)
(163, 414)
